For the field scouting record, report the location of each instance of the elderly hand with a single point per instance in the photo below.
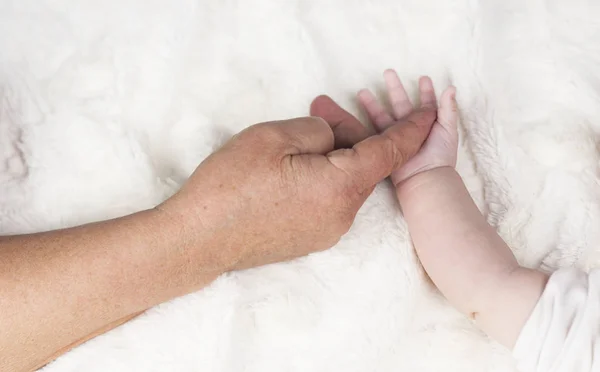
(284, 189)
(274, 192)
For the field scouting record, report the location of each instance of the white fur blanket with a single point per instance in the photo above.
(107, 106)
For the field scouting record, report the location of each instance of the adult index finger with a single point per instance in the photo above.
(375, 158)
(346, 128)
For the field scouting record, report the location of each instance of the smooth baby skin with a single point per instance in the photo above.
(464, 256)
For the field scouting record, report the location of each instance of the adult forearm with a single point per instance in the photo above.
(58, 287)
(276, 191)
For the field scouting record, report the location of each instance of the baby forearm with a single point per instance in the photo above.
(459, 250)
(463, 255)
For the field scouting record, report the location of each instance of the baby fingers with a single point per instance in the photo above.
(448, 111)
(427, 92)
(401, 105)
(399, 101)
(378, 115)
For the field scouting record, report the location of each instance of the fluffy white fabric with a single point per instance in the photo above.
(107, 106)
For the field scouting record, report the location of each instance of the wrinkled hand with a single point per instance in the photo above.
(440, 148)
(284, 189)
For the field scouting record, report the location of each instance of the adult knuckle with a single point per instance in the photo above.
(339, 204)
(316, 121)
(339, 225)
(334, 240)
(267, 133)
(346, 206)
(319, 125)
(347, 220)
(394, 155)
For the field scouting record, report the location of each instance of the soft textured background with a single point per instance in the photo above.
(107, 106)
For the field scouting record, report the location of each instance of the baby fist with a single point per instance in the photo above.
(440, 148)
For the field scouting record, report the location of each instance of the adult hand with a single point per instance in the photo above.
(284, 189)
(276, 191)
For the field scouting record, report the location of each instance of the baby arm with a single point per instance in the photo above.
(464, 256)
(469, 263)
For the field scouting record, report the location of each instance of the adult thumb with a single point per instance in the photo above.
(375, 158)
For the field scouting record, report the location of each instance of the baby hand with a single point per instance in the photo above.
(440, 148)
